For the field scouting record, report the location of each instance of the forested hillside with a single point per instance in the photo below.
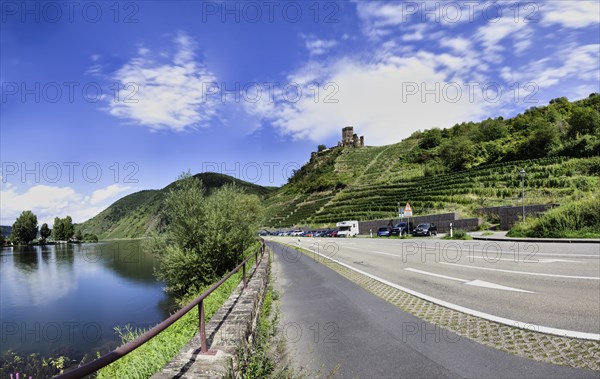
(458, 169)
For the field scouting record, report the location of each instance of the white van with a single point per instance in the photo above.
(347, 228)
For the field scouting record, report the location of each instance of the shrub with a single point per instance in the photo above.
(205, 236)
(578, 219)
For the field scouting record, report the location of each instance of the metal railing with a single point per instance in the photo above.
(127, 348)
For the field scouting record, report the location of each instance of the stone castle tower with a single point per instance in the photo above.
(349, 139)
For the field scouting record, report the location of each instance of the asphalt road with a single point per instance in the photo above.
(334, 328)
(554, 285)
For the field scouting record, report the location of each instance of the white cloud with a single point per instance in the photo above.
(171, 95)
(458, 44)
(48, 202)
(376, 98)
(317, 46)
(574, 63)
(571, 14)
(106, 193)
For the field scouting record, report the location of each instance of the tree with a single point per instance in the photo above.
(321, 148)
(431, 138)
(45, 232)
(63, 228)
(205, 236)
(584, 121)
(25, 228)
(544, 138)
(79, 235)
(458, 154)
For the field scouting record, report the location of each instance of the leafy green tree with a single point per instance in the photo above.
(544, 138)
(90, 237)
(458, 154)
(2, 240)
(63, 228)
(25, 228)
(490, 130)
(79, 235)
(45, 232)
(584, 121)
(321, 148)
(431, 138)
(205, 236)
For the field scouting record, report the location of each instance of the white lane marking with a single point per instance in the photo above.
(522, 272)
(476, 282)
(434, 274)
(554, 261)
(492, 260)
(483, 283)
(374, 252)
(487, 316)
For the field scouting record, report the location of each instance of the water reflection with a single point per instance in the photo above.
(74, 289)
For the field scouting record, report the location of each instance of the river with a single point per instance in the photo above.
(67, 299)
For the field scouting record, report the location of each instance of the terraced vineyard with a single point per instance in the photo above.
(547, 180)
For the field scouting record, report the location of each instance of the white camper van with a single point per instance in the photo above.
(347, 228)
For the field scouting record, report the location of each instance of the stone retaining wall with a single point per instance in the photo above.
(231, 328)
(442, 221)
(510, 215)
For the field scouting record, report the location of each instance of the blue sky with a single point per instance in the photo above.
(102, 99)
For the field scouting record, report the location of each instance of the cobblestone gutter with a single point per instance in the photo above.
(230, 329)
(525, 343)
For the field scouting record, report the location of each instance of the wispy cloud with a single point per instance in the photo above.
(165, 95)
(316, 46)
(571, 14)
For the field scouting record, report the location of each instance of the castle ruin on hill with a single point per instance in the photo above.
(350, 139)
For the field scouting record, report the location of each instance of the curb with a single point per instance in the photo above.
(551, 240)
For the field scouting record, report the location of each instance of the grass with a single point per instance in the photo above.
(264, 358)
(577, 219)
(153, 355)
(487, 233)
(458, 234)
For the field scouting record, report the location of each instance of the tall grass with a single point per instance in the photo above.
(153, 355)
(577, 219)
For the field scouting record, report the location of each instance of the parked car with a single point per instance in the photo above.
(401, 228)
(383, 232)
(332, 233)
(425, 229)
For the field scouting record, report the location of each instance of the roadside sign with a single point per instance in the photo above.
(408, 210)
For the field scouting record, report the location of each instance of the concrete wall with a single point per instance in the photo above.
(231, 328)
(510, 215)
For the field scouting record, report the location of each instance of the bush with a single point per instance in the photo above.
(578, 219)
(458, 234)
(205, 236)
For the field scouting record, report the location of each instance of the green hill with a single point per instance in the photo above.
(468, 166)
(459, 169)
(139, 213)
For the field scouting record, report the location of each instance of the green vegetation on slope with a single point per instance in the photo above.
(141, 213)
(458, 169)
(578, 219)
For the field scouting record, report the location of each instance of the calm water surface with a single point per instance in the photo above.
(67, 299)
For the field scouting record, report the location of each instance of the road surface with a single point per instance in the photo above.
(334, 328)
(550, 285)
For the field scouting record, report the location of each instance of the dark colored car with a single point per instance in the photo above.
(425, 229)
(383, 232)
(401, 228)
(332, 233)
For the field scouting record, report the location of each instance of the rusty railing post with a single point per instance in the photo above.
(244, 273)
(203, 347)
